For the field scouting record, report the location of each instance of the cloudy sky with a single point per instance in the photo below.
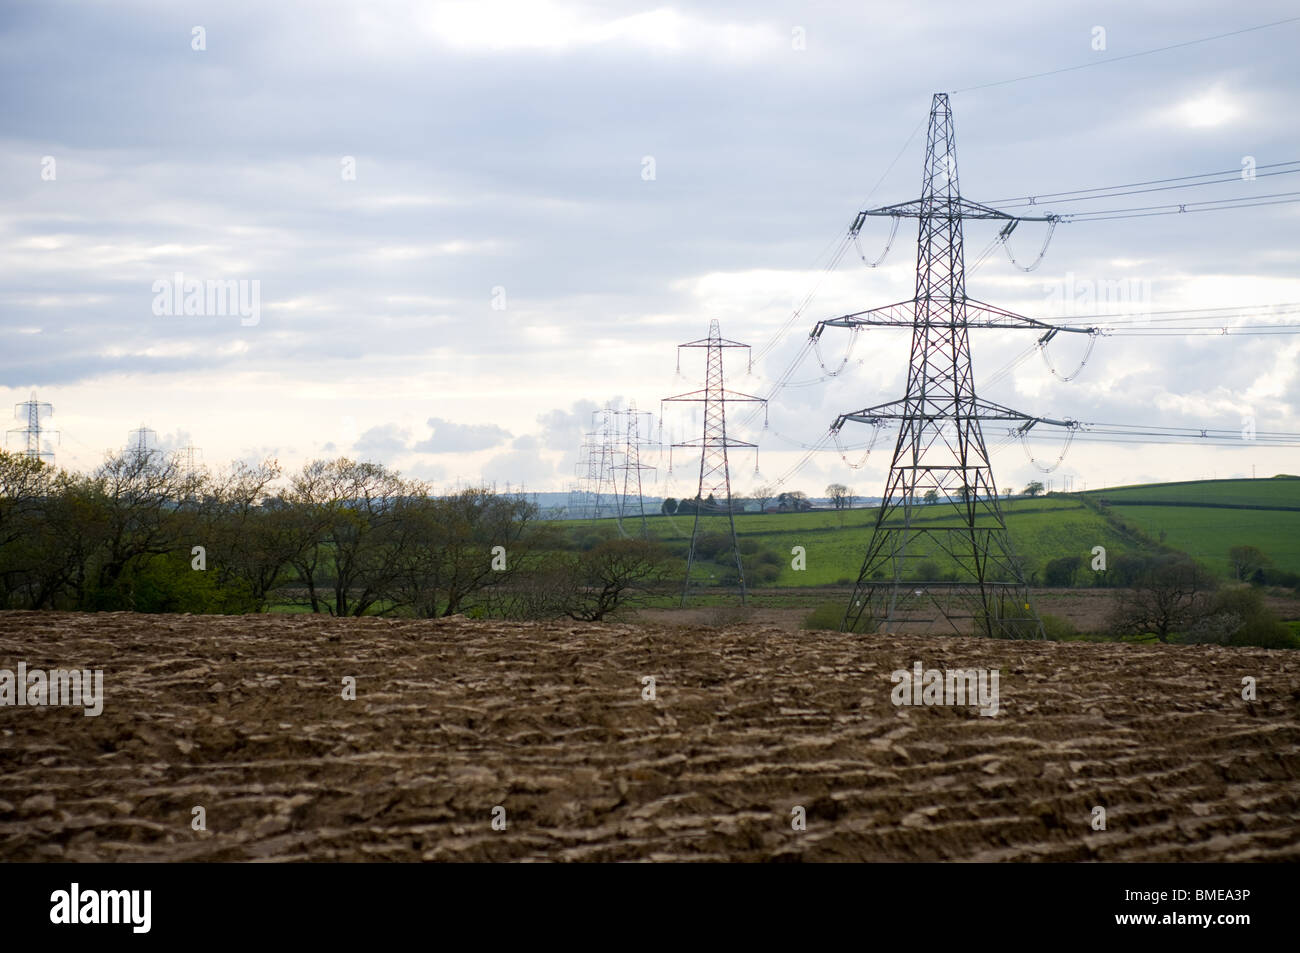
(471, 224)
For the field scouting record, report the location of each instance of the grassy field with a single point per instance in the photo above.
(1273, 492)
(834, 543)
(1199, 525)
(1041, 529)
(1207, 534)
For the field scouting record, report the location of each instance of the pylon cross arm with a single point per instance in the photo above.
(715, 442)
(980, 409)
(713, 342)
(718, 394)
(956, 206)
(977, 315)
(901, 314)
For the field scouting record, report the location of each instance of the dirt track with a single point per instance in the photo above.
(243, 716)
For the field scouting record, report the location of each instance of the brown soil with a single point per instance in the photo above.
(243, 716)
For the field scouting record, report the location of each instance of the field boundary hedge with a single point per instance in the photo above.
(1193, 504)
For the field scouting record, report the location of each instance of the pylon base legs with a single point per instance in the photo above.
(997, 610)
(942, 581)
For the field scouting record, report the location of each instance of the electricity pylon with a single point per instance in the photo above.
(139, 444)
(584, 472)
(577, 500)
(33, 411)
(940, 447)
(715, 475)
(601, 449)
(190, 470)
(631, 465)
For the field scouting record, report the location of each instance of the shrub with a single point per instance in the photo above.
(589, 541)
(1239, 616)
(1062, 571)
(1014, 622)
(827, 616)
(927, 570)
(712, 545)
(1269, 576)
(1057, 628)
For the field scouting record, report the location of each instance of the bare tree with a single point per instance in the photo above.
(138, 496)
(1168, 593)
(355, 513)
(1246, 560)
(609, 575)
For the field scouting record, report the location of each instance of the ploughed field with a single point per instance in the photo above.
(453, 719)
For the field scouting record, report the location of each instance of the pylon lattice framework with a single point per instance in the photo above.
(32, 411)
(632, 467)
(140, 444)
(600, 456)
(715, 475)
(940, 443)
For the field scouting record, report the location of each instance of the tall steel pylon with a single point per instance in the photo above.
(577, 500)
(33, 411)
(601, 450)
(190, 470)
(940, 443)
(715, 475)
(632, 467)
(584, 471)
(139, 444)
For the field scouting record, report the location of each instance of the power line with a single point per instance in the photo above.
(1110, 190)
(1208, 205)
(1127, 56)
(1284, 307)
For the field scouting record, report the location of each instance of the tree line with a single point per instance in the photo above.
(339, 537)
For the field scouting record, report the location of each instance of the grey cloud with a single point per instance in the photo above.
(450, 437)
(386, 440)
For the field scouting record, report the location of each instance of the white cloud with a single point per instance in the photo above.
(1213, 107)
(546, 25)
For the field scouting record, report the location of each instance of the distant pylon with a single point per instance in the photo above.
(632, 464)
(601, 457)
(139, 444)
(31, 411)
(950, 563)
(185, 457)
(189, 469)
(715, 475)
(577, 501)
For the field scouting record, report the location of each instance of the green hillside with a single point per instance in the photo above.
(1207, 517)
(834, 543)
(1202, 518)
(1279, 491)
